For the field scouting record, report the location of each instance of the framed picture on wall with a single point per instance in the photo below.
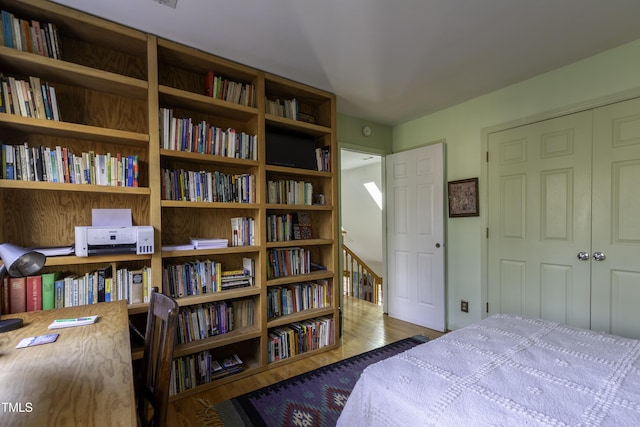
(463, 198)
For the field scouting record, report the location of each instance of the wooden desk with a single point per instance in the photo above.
(85, 378)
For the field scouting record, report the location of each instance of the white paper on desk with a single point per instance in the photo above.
(111, 217)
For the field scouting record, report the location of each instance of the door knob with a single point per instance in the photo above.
(599, 256)
(583, 256)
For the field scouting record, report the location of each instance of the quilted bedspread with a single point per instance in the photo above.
(504, 371)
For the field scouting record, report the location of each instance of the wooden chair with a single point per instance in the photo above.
(153, 387)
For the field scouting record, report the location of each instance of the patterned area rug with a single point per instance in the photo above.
(313, 399)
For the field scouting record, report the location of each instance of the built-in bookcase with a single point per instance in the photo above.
(122, 91)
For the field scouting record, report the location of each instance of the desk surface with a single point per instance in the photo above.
(85, 378)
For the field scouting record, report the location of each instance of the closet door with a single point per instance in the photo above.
(615, 302)
(540, 220)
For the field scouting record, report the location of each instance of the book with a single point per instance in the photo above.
(18, 294)
(48, 290)
(42, 339)
(137, 284)
(248, 267)
(208, 84)
(75, 321)
(58, 296)
(34, 293)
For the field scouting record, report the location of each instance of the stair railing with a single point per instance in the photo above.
(359, 280)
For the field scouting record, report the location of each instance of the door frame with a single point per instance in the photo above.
(375, 152)
(484, 171)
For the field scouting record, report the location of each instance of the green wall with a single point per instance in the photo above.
(608, 75)
(349, 135)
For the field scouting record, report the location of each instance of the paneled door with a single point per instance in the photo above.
(564, 219)
(415, 236)
(615, 258)
(540, 219)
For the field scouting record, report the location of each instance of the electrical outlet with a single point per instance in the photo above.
(464, 306)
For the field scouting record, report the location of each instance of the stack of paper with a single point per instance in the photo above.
(209, 243)
(76, 321)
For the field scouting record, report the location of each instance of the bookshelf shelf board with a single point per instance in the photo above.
(58, 71)
(81, 188)
(272, 207)
(237, 335)
(219, 296)
(296, 125)
(198, 102)
(297, 171)
(207, 158)
(300, 242)
(300, 315)
(207, 252)
(138, 309)
(72, 130)
(207, 205)
(77, 260)
(301, 356)
(323, 274)
(136, 353)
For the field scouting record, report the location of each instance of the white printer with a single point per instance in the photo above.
(97, 240)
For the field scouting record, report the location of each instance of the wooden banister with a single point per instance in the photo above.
(359, 280)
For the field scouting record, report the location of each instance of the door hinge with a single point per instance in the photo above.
(487, 153)
(487, 308)
(487, 232)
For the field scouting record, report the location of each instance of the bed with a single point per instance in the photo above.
(504, 371)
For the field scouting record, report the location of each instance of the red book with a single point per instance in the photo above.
(34, 293)
(208, 84)
(18, 294)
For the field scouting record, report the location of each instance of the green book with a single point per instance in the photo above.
(48, 285)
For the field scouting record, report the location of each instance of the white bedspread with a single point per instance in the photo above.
(504, 371)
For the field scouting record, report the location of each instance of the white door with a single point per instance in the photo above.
(564, 219)
(540, 219)
(615, 280)
(415, 236)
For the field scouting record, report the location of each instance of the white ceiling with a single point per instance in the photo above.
(354, 159)
(389, 61)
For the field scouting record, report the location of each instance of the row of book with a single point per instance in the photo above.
(214, 318)
(323, 159)
(31, 98)
(289, 192)
(243, 231)
(219, 87)
(57, 289)
(205, 277)
(288, 108)
(33, 36)
(292, 298)
(299, 337)
(182, 134)
(289, 226)
(204, 186)
(288, 262)
(44, 164)
(188, 372)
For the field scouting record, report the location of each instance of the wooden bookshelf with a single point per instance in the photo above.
(111, 82)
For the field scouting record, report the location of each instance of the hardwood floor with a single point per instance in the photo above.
(365, 328)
